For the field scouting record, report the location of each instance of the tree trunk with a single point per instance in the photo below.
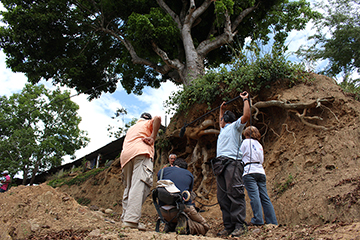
(194, 66)
(36, 168)
(25, 173)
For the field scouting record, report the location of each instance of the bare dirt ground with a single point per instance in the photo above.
(313, 181)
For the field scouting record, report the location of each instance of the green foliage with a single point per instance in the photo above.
(84, 201)
(351, 86)
(37, 128)
(162, 142)
(86, 44)
(337, 38)
(282, 187)
(56, 182)
(83, 177)
(249, 72)
(80, 178)
(120, 131)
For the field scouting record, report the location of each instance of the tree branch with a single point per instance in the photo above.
(208, 45)
(168, 10)
(170, 63)
(195, 13)
(242, 15)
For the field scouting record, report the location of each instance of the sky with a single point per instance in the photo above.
(96, 114)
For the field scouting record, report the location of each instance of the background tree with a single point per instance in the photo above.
(114, 131)
(337, 38)
(118, 132)
(83, 44)
(37, 128)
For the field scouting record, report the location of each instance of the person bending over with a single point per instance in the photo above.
(184, 181)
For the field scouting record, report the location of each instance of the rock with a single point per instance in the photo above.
(94, 208)
(109, 211)
(95, 233)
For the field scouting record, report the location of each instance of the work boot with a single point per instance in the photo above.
(139, 226)
(238, 232)
(181, 227)
(169, 227)
(224, 232)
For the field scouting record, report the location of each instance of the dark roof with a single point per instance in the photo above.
(108, 152)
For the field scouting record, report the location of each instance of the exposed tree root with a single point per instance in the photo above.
(292, 133)
(293, 107)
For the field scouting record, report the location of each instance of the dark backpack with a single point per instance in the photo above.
(163, 197)
(168, 198)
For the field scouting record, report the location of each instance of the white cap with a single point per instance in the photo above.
(5, 172)
(168, 185)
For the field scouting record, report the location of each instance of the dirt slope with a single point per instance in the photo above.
(312, 172)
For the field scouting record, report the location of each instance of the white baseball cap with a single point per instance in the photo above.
(5, 172)
(168, 185)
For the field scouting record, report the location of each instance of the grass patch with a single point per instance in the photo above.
(80, 178)
(83, 177)
(83, 201)
(282, 187)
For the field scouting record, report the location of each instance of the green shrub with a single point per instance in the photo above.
(83, 201)
(282, 187)
(58, 182)
(251, 73)
(351, 86)
(83, 177)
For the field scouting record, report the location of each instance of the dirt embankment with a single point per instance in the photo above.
(312, 173)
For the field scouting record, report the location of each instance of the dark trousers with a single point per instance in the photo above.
(231, 196)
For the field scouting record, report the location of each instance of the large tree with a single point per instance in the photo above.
(37, 128)
(337, 38)
(95, 43)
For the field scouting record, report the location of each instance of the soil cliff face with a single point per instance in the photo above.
(312, 161)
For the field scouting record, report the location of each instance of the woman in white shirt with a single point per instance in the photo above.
(254, 178)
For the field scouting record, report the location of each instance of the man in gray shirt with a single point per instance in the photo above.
(230, 187)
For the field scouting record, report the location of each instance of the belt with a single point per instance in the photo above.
(251, 163)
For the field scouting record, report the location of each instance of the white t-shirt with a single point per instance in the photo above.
(252, 151)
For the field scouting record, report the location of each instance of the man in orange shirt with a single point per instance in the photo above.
(137, 167)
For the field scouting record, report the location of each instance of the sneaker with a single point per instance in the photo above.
(225, 232)
(238, 232)
(181, 227)
(139, 226)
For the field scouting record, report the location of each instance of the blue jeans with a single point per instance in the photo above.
(255, 184)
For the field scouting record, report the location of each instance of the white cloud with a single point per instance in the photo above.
(96, 116)
(10, 82)
(155, 98)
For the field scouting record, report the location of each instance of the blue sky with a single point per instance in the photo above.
(96, 115)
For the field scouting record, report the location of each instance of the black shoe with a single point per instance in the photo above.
(181, 227)
(223, 233)
(238, 232)
(254, 224)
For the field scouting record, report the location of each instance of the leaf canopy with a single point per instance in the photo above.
(37, 128)
(337, 38)
(85, 44)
